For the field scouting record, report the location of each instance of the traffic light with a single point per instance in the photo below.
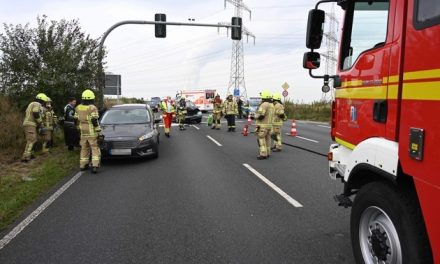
(236, 31)
(160, 31)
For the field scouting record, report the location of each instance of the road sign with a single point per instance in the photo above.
(236, 92)
(285, 93)
(112, 84)
(285, 86)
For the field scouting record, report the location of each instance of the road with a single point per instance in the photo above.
(200, 202)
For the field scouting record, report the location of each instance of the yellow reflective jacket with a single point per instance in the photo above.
(230, 108)
(50, 119)
(84, 115)
(164, 106)
(29, 119)
(217, 107)
(278, 111)
(267, 110)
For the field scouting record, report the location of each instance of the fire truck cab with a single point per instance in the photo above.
(386, 125)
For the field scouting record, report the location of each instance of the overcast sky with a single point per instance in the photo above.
(190, 57)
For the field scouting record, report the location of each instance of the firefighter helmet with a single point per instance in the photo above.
(276, 97)
(88, 95)
(265, 95)
(41, 96)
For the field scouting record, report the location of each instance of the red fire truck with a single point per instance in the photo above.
(386, 125)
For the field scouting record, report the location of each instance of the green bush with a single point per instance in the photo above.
(315, 111)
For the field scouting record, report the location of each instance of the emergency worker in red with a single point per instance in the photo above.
(168, 114)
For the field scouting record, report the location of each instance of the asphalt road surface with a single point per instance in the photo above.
(206, 199)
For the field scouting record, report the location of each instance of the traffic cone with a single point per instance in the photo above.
(293, 132)
(249, 119)
(245, 131)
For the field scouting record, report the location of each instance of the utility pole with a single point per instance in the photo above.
(330, 56)
(236, 80)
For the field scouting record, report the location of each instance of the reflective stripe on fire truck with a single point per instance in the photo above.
(345, 143)
(379, 152)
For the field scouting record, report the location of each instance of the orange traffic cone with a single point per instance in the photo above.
(293, 132)
(245, 131)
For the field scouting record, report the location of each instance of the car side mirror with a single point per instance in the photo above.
(311, 60)
(315, 28)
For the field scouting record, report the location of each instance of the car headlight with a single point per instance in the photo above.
(199, 113)
(146, 136)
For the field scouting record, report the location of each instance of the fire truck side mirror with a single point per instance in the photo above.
(315, 28)
(311, 60)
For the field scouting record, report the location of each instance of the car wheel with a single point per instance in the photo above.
(387, 227)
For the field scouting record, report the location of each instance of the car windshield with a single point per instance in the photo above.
(125, 116)
(254, 102)
(190, 104)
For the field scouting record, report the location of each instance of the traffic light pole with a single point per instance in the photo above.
(101, 78)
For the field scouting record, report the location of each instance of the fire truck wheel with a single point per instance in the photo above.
(387, 227)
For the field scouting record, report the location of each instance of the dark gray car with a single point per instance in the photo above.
(129, 130)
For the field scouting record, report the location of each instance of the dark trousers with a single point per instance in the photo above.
(231, 121)
(71, 135)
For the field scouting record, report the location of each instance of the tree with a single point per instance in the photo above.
(56, 58)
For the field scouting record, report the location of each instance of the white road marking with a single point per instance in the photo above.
(215, 141)
(308, 139)
(196, 127)
(20, 227)
(273, 186)
(172, 125)
(324, 126)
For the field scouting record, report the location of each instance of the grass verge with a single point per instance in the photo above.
(22, 183)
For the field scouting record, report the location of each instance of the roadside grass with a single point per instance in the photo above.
(315, 111)
(22, 183)
(12, 139)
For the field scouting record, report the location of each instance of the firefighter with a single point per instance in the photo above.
(217, 112)
(71, 135)
(167, 114)
(181, 112)
(86, 119)
(264, 121)
(277, 123)
(50, 120)
(230, 110)
(33, 121)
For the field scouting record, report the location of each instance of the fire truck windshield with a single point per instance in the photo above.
(368, 25)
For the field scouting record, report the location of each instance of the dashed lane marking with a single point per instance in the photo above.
(20, 227)
(288, 198)
(303, 138)
(308, 139)
(324, 126)
(196, 127)
(215, 141)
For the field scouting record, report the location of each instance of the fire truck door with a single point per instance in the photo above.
(362, 101)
